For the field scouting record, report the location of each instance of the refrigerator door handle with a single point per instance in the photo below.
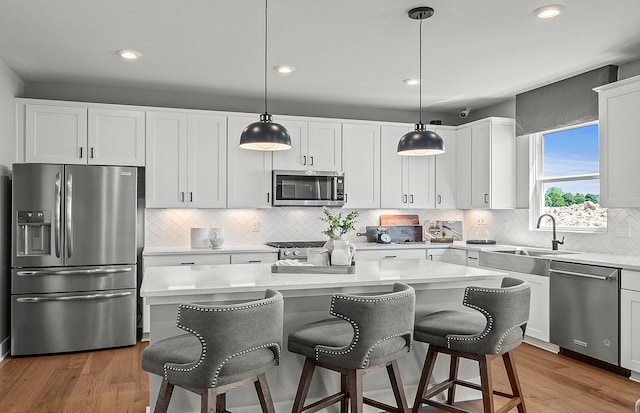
(68, 217)
(73, 272)
(73, 297)
(57, 211)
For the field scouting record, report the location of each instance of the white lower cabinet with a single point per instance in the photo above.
(630, 321)
(538, 325)
(389, 254)
(454, 256)
(254, 258)
(436, 254)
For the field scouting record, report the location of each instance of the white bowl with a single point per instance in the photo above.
(216, 242)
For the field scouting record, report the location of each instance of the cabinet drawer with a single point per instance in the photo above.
(269, 257)
(472, 258)
(630, 280)
(402, 254)
(190, 259)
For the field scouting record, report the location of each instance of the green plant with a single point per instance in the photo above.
(338, 225)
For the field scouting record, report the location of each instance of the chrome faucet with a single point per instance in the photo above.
(554, 241)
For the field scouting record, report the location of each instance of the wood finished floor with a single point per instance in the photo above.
(111, 381)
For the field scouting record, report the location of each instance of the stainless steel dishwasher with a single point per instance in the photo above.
(584, 309)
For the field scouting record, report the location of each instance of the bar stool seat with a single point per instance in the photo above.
(368, 332)
(227, 346)
(493, 328)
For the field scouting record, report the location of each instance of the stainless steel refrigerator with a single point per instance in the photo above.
(73, 276)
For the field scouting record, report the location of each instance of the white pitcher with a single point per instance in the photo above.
(342, 252)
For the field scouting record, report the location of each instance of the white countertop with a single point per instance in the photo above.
(214, 279)
(226, 249)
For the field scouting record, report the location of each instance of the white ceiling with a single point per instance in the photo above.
(348, 52)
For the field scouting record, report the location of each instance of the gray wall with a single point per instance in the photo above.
(195, 100)
(10, 87)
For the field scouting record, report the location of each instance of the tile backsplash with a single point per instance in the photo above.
(172, 227)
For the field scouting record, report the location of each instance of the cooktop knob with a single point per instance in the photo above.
(287, 253)
(296, 252)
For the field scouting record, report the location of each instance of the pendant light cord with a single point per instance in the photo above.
(421, 70)
(265, 55)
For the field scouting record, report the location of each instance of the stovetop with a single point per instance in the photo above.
(296, 244)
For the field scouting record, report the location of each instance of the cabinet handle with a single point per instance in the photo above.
(346, 198)
(439, 199)
(304, 159)
(268, 196)
(390, 256)
(430, 257)
(411, 199)
(404, 199)
(253, 261)
(181, 196)
(486, 198)
(187, 263)
(92, 156)
(81, 152)
(311, 158)
(472, 258)
(190, 196)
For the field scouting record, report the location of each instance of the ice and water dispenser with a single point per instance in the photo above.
(34, 233)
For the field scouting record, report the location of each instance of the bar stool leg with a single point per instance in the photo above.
(344, 388)
(303, 386)
(264, 395)
(486, 383)
(516, 389)
(164, 396)
(396, 385)
(427, 371)
(355, 390)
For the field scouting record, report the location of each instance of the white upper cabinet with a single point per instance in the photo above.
(361, 157)
(316, 146)
(488, 146)
(186, 160)
(75, 134)
(248, 171)
(406, 181)
(116, 137)
(618, 110)
(446, 170)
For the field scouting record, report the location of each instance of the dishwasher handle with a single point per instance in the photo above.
(580, 274)
(73, 297)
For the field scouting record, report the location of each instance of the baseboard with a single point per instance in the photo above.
(542, 344)
(635, 376)
(4, 348)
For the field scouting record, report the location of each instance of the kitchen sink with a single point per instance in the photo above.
(523, 260)
(528, 252)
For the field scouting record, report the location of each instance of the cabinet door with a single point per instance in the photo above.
(481, 165)
(248, 171)
(166, 171)
(55, 134)
(116, 137)
(630, 329)
(446, 171)
(393, 169)
(538, 325)
(463, 165)
(296, 158)
(619, 110)
(325, 146)
(254, 258)
(422, 180)
(207, 165)
(361, 152)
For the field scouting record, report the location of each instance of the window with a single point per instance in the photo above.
(567, 179)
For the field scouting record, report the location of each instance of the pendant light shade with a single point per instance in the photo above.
(421, 141)
(265, 135)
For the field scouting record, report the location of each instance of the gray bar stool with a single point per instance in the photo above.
(227, 346)
(368, 333)
(493, 330)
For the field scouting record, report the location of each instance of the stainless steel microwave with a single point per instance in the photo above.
(308, 188)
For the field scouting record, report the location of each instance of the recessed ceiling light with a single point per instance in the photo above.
(129, 54)
(284, 69)
(548, 12)
(412, 81)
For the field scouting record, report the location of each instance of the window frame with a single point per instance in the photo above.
(537, 182)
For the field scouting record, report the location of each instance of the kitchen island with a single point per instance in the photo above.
(307, 297)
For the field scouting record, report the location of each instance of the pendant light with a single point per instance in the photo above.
(265, 135)
(421, 141)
